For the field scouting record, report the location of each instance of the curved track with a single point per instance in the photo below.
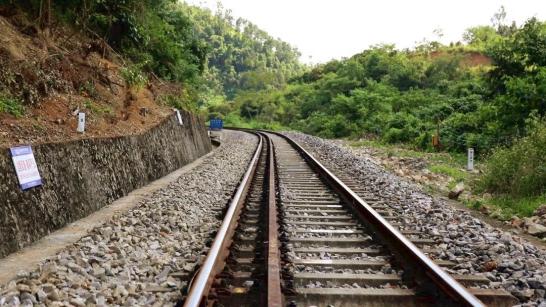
(297, 235)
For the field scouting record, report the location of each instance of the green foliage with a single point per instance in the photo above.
(234, 120)
(396, 95)
(11, 105)
(133, 76)
(519, 170)
(97, 109)
(240, 55)
(521, 206)
(405, 96)
(518, 79)
(183, 101)
(456, 172)
(89, 89)
(236, 71)
(482, 37)
(158, 33)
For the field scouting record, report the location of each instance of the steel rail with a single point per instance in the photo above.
(274, 294)
(214, 261)
(422, 270)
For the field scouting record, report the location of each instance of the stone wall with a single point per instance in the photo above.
(81, 177)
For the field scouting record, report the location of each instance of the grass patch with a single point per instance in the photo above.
(454, 159)
(448, 164)
(182, 101)
(520, 170)
(510, 206)
(398, 150)
(405, 153)
(11, 105)
(88, 89)
(96, 109)
(501, 166)
(367, 143)
(133, 76)
(454, 172)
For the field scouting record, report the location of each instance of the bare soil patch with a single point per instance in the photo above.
(54, 76)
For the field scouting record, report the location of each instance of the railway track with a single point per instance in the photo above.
(296, 235)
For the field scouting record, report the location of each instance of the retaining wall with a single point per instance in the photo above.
(80, 177)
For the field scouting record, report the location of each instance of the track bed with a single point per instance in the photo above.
(303, 237)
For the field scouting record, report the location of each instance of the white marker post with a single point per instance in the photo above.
(179, 118)
(81, 122)
(470, 165)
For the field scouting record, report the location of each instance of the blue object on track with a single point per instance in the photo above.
(216, 124)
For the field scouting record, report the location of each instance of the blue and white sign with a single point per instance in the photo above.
(25, 167)
(216, 124)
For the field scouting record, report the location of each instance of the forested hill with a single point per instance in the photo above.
(185, 56)
(241, 56)
(487, 93)
(480, 93)
(112, 58)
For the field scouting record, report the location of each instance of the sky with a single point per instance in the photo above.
(331, 29)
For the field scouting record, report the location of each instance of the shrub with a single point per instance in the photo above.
(424, 141)
(97, 109)
(393, 135)
(11, 105)
(519, 170)
(134, 76)
(184, 101)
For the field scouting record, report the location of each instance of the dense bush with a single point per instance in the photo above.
(519, 170)
(156, 34)
(133, 76)
(11, 105)
(241, 56)
(405, 96)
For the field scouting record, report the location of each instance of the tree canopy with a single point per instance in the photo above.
(479, 94)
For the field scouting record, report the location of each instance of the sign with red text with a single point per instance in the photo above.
(25, 167)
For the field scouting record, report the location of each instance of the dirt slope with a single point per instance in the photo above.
(54, 76)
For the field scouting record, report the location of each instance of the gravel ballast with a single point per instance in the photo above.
(146, 255)
(509, 261)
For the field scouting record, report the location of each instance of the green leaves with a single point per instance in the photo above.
(521, 169)
(158, 33)
(133, 76)
(519, 77)
(11, 105)
(241, 56)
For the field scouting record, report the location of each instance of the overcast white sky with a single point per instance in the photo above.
(326, 29)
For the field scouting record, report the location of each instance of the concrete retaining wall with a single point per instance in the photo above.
(80, 177)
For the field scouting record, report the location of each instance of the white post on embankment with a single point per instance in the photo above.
(470, 164)
(179, 117)
(81, 122)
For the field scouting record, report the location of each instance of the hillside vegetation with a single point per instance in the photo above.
(487, 93)
(124, 63)
(479, 95)
(127, 62)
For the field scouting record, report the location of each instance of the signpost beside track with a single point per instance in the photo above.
(25, 167)
(470, 164)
